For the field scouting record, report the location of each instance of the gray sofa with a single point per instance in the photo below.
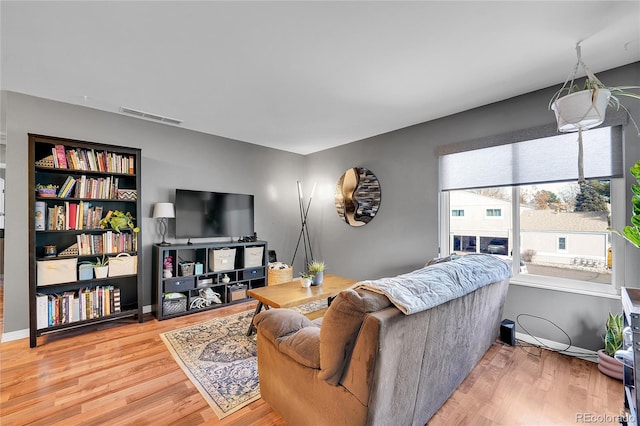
(368, 363)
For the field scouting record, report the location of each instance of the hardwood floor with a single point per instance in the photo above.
(125, 375)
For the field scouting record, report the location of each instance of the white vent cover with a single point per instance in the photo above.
(150, 116)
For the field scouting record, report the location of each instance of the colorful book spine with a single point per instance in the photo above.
(61, 156)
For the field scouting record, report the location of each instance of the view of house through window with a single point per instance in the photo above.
(563, 227)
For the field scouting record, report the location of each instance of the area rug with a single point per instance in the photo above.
(220, 360)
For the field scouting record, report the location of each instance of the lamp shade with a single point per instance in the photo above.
(163, 210)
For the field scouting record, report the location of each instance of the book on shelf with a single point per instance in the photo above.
(91, 160)
(70, 181)
(72, 216)
(59, 158)
(42, 311)
(73, 306)
(107, 243)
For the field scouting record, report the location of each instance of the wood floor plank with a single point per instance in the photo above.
(123, 374)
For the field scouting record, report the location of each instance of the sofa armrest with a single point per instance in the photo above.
(292, 333)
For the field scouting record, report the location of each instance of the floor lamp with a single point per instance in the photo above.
(304, 231)
(162, 212)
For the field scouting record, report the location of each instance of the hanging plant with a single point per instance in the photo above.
(580, 108)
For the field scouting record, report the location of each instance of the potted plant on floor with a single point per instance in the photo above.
(101, 267)
(316, 268)
(613, 338)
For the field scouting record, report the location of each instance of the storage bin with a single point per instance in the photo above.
(252, 273)
(237, 292)
(174, 303)
(253, 256)
(57, 271)
(222, 259)
(123, 264)
(199, 269)
(85, 271)
(179, 284)
(186, 268)
(279, 276)
(127, 194)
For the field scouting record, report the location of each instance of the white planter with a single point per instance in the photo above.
(305, 282)
(101, 271)
(584, 109)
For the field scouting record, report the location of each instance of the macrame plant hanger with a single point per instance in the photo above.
(595, 85)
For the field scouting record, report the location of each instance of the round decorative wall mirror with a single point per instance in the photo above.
(357, 196)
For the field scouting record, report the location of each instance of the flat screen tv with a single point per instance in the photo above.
(202, 214)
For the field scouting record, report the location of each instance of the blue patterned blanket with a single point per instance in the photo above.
(432, 285)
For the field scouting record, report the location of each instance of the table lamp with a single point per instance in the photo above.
(162, 212)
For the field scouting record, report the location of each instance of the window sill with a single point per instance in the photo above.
(587, 289)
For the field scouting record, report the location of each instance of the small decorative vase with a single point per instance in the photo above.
(225, 278)
(167, 273)
(317, 278)
(609, 366)
(101, 271)
(305, 282)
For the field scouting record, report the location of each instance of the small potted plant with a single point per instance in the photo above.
(613, 338)
(49, 190)
(101, 267)
(306, 280)
(116, 220)
(316, 268)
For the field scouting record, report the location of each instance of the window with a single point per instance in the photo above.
(457, 213)
(536, 211)
(562, 243)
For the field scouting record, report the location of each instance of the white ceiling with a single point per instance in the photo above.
(305, 76)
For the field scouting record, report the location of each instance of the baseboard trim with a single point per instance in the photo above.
(15, 335)
(586, 354)
(24, 334)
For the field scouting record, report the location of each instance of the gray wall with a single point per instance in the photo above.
(400, 238)
(403, 235)
(171, 158)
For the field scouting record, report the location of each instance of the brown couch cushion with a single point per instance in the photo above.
(340, 327)
(275, 323)
(292, 333)
(303, 346)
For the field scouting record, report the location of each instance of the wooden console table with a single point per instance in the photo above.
(288, 295)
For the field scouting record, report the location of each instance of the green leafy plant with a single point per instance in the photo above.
(305, 275)
(101, 262)
(632, 232)
(48, 186)
(117, 220)
(613, 337)
(593, 84)
(315, 266)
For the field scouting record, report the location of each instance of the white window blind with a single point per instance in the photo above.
(548, 159)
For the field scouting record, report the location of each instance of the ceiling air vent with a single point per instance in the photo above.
(150, 116)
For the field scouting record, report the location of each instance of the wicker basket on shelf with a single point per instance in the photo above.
(279, 276)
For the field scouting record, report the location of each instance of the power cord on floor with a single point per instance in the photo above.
(540, 346)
